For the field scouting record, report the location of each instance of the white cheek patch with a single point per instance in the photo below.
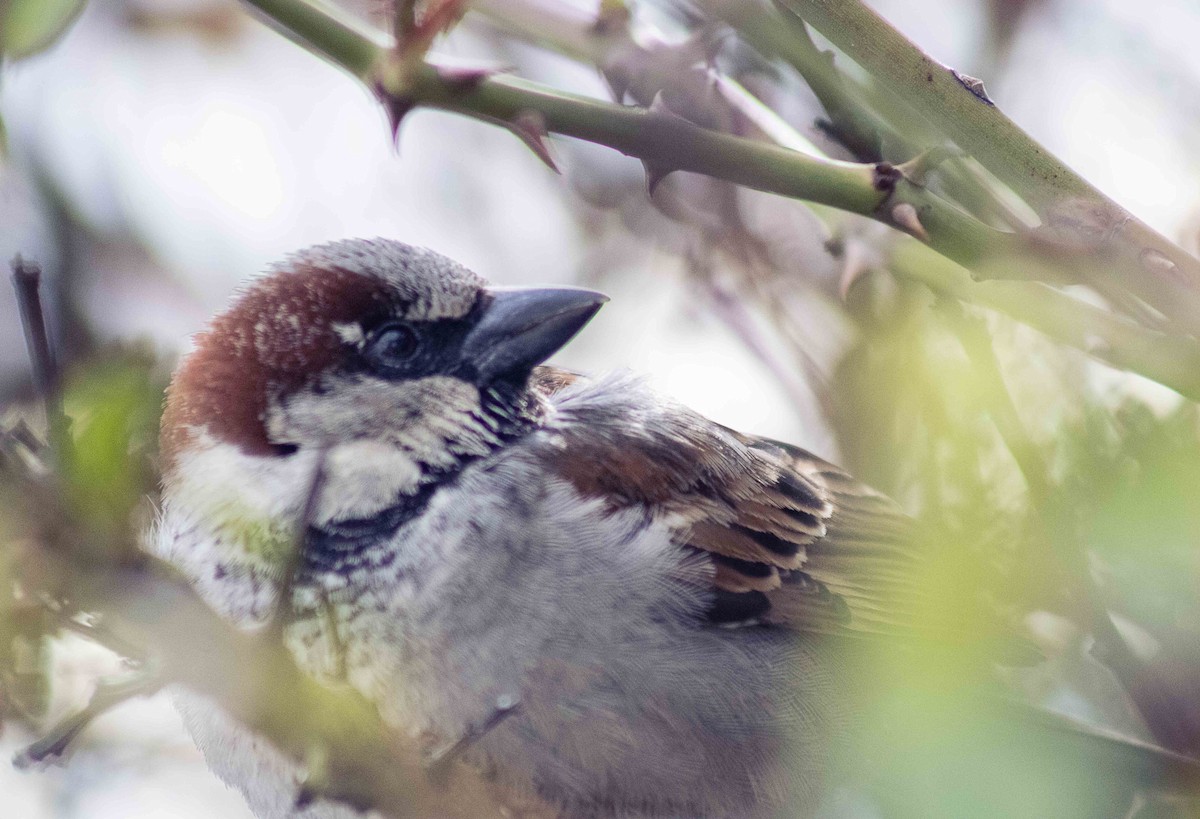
(234, 491)
(229, 522)
(230, 519)
(221, 478)
(362, 478)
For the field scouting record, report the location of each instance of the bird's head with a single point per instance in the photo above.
(395, 362)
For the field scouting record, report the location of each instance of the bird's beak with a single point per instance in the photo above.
(522, 327)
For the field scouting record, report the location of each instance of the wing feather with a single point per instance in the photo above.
(794, 539)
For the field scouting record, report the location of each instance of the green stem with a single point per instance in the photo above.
(667, 142)
(662, 141)
(1169, 360)
(323, 30)
(1147, 263)
(784, 36)
(861, 131)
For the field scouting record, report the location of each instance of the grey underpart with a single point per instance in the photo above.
(511, 584)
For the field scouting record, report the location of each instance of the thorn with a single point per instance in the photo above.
(697, 101)
(854, 267)
(617, 79)
(1157, 262)
(655, 174)
(905, 215)
(315, 780)
(530, 127)
(885, 175)
(396, 108)
(306, 794)
(659, 105)
(974, 85)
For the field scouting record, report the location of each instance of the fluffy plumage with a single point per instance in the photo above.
(596, 622)
(489, 529)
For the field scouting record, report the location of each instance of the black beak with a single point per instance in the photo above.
(522, 327)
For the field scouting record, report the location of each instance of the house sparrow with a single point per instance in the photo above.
(661, 597)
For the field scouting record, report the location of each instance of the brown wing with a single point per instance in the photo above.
(861, 573)
(794, 539)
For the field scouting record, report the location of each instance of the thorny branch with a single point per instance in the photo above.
(1118, 246)
(1082, 226)
(668, 142)
(255, 680)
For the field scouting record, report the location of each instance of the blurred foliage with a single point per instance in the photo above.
(114, 403)
(24, 624)
(915, 416)
(1133, 474)
(913, 413)
(93, 506)
(30, 26)
(912, 418)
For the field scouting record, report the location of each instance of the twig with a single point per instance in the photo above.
(22, 451)
(667, 141)
(20, 433)
(1167, 359)
(326, 31)
(442, 759)
(851, 121)
(779, 33)
(257, 682)
(737, 318)
(295, 558)
(27, 277)
(102, 635)
(106, 696)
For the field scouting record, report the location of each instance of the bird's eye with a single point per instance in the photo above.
(391, 346)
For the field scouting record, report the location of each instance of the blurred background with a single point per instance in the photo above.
(165, 151)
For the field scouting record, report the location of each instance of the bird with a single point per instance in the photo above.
(615, 606)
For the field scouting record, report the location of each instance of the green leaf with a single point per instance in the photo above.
(29, 26)
(113, 406)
